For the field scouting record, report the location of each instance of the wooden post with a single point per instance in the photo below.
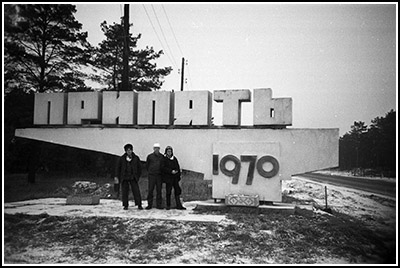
(183, 73)
(125, 59)
(326, 199)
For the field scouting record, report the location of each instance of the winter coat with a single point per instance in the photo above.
(153, 163)
(122, 172)
(167, 165)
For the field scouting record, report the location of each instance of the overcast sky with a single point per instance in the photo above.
(337, 62)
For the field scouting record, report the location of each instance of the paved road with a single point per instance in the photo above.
(374, 186)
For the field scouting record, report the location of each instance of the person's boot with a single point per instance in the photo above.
(149, 205)
(159, 203)
(178, 203)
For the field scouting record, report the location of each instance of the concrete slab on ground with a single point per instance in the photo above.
(276, 207)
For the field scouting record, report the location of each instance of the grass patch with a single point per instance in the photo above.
(150, 239)
(272, 238)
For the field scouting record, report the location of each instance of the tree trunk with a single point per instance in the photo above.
(42, 78)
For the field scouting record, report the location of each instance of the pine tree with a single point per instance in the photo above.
(371, 147)
(143, 73)
(44, 48)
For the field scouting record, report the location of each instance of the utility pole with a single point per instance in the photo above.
(182, 73)
(125, 73)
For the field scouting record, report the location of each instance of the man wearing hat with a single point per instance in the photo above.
(153, 165)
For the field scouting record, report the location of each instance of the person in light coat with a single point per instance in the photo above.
(153, 165)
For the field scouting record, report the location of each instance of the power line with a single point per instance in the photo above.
(172, 30)
(190, 78)
(177, 43)
(165, 39)
(154, 29)
(162, 32)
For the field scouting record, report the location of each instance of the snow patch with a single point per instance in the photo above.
(376, 210)
(106, 208)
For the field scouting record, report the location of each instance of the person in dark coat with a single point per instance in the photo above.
(153, 165)
(172, 175)
(127, 173)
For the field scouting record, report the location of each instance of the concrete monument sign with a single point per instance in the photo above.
(242, 167)
(240, 160)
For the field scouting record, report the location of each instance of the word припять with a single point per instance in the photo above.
(159, 108)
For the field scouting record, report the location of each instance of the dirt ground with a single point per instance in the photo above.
(360, 230)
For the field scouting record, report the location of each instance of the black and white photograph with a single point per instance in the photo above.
(200, 133)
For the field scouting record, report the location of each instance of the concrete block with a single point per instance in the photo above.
(242, 200)
(121, 110)
(50, 109)
(248, 168)
(232, 104)
(83, 200)
(155, 108)
(210, 205)
(193, 108)
(271, 111)
(84, 106)
(244, 210)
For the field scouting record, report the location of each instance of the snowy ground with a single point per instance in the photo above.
(190, 238)
(107, 208)
(375, 210)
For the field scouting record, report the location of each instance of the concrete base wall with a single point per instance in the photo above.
(301, 150)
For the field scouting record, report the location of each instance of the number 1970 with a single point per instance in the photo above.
(234, 173)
